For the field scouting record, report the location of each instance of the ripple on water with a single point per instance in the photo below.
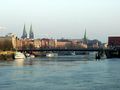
(61, 73)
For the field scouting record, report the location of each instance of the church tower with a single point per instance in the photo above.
(85, 37)
(31, 34)
(24, 35)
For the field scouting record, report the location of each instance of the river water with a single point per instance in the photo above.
(60, 73)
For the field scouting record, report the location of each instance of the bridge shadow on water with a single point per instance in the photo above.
(71, 58)
(63, 58)
(66, 58)
(43, 61)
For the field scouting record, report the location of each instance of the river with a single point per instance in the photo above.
(60, 73)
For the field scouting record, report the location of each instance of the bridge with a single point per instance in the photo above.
(109, 52)
(67, 49)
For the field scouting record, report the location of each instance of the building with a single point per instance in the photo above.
(114, 41)
(104, 45)
(63, 43)
(94, 43)
(37, 43)
(27, 43)
(19, 43)
(48, 43)
(24, 35)
(31, 34)
(8, 42)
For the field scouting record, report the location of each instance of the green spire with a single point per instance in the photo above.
(85, 37)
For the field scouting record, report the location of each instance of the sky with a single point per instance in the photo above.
(61, 18)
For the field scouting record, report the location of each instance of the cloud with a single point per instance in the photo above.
(2, 28)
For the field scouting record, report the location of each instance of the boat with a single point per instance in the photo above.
(73, 53)
(51, 54)
(29, 55)
(19, 55)
(32, 56)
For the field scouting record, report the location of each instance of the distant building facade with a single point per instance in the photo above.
(8, 42)
(48, 43)
(63, 43)
(114, 41)
(37, 43)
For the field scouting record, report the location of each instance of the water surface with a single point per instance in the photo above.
(60, 73)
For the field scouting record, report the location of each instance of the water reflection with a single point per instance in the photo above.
(60, 73)
(19, 62)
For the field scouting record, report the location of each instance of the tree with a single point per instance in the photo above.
(7, 45)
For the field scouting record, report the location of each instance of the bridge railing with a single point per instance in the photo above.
(64, 49)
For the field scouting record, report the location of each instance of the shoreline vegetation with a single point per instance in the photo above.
(7, 55)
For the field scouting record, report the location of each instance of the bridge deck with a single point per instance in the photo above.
(71, 49)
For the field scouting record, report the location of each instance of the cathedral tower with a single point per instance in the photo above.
(24, 35)
(31, 34)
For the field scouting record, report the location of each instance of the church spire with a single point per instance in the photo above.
(31, 34)
(24, 35)
(85, 37)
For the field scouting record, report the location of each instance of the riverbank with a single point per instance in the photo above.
(7, 55)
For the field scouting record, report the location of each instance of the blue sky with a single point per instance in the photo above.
(61, 18)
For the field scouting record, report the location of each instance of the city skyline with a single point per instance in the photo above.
(61, 18)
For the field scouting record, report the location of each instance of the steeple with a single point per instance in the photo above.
(85, 37)
(24, 35)
(31, 34)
